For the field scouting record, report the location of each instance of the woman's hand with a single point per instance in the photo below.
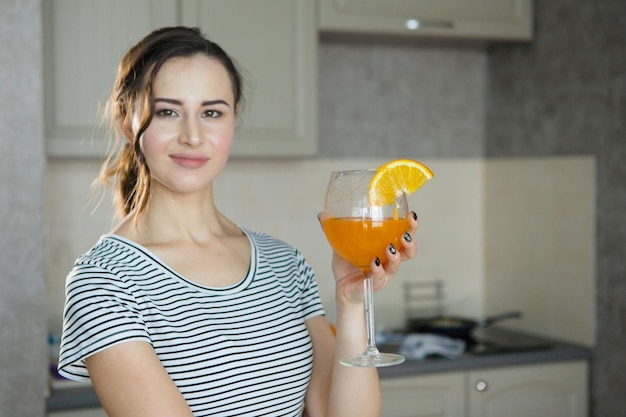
(349, 279)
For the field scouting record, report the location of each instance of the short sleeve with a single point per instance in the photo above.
(310, 301)
(100, 311)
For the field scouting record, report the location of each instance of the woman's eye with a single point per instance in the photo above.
(212, 114)
(165, 113)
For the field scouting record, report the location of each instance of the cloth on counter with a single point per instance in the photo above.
(420, 346)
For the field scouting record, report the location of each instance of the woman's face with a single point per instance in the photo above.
(189, 138)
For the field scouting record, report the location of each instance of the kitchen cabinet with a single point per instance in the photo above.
(273, 41)
(437, 395)
(83, 43)
(475, 19)
(276, 43)
(554, 389)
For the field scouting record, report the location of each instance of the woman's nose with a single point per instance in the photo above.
(190, 134)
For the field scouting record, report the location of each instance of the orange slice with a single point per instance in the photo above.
(397, 177)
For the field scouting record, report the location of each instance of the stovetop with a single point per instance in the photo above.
(489, 341)
(493, 348)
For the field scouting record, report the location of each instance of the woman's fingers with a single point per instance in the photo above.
(409, 246)
(382, 270)
(382, 274)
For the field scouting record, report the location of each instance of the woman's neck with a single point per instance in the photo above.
(178, 218)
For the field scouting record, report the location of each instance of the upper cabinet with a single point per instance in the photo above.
(273, 41)
(471, 19)
(84, 41)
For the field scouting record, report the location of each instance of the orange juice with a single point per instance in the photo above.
(362, 240)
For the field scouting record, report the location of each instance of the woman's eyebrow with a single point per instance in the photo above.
(179, 103)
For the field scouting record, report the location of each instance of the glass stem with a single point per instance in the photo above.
(368, 288)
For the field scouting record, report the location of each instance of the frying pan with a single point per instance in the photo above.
(456, 327)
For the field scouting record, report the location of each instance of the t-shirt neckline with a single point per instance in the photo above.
(234, 288)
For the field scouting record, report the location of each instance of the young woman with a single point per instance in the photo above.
(178, 311)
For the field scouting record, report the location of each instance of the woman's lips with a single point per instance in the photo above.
(189, 161)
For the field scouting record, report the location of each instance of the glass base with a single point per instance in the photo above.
(377, 360)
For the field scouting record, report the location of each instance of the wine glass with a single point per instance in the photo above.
(360, 232)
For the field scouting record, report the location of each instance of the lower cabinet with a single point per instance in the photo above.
(546, 390)
(436, 395)
(557, 390)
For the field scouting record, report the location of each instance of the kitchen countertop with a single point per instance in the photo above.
(514, 348)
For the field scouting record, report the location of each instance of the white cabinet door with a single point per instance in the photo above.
(552, 390)
(482, 19)
(275, 42)
(437, 395)
(83, 43)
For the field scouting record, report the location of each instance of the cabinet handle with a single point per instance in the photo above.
(415, 24)
(481, 386)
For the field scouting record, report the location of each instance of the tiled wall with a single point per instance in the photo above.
(566, 94)
(539, 229)
(394, 99)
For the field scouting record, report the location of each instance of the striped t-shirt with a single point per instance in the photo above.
(242, 350)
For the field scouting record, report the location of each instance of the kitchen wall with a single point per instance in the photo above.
(539, 252)
(389, 99)
(565, 94)
(23, 327)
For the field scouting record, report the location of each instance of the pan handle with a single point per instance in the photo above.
(509, 315)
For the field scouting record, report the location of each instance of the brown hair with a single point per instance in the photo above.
(132, 96)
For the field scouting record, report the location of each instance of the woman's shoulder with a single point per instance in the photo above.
(108, 266)
(110, 252)
(266, 241)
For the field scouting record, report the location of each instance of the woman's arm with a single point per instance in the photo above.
(335, 389)
(130, 381)
(318, 392)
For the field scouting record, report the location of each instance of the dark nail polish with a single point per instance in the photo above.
(319, 215)
(392, 249)
(407, 237)
(414, 215)
(377, 261)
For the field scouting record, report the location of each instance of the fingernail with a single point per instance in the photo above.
(377, 261)
(407, 237)
(319, 215)
(414, 215)
(392, 249)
